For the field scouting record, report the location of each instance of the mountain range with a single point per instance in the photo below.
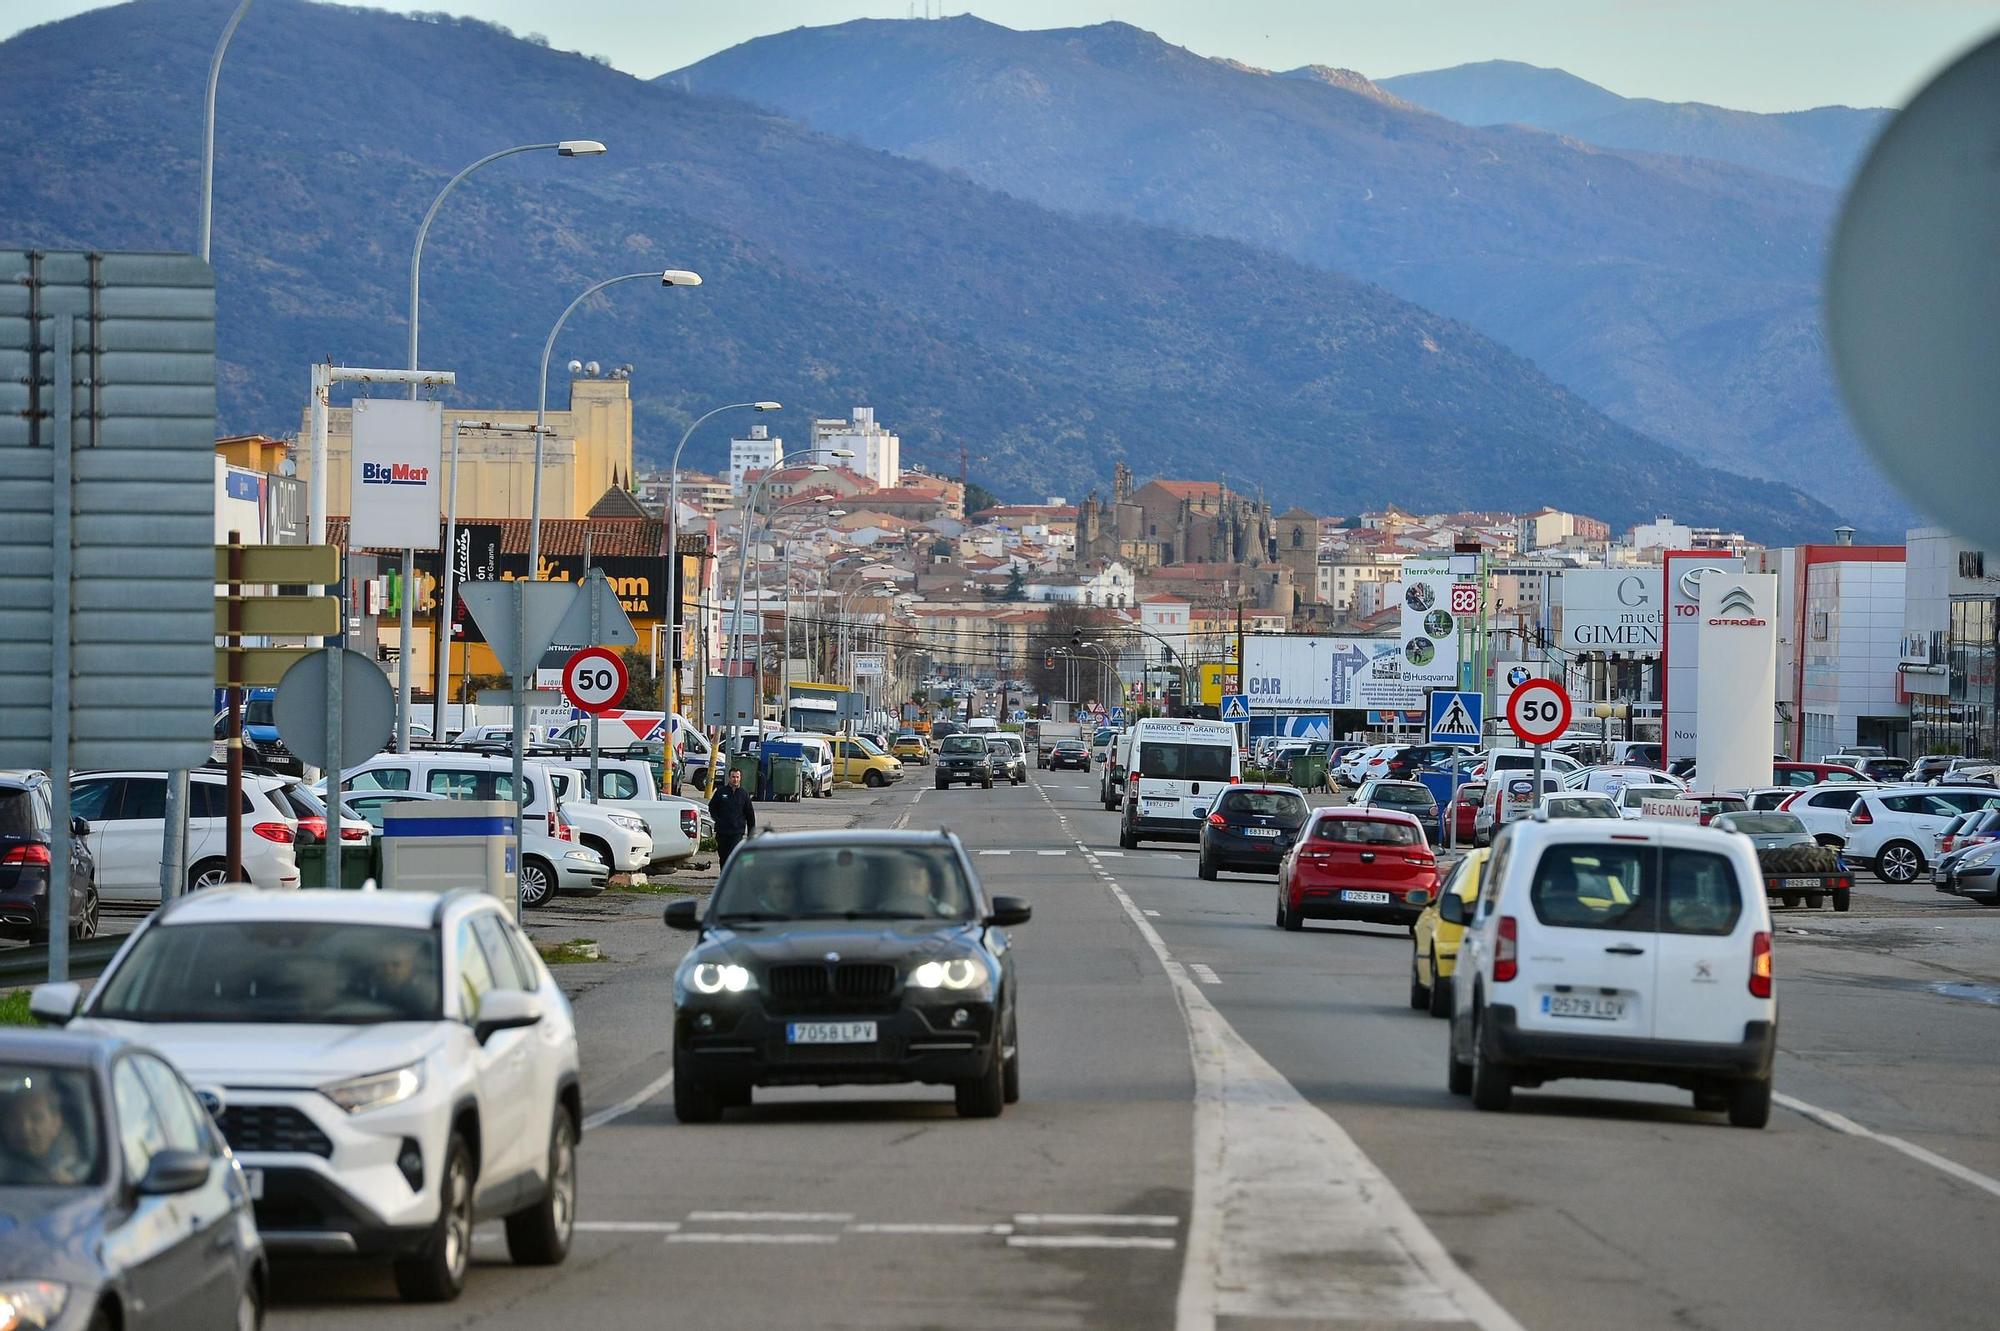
(1822, 146)
(1047, 344)
(1678, 295)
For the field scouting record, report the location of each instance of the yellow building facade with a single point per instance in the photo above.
(589, 448)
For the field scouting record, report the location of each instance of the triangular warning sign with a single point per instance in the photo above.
(1456, 720)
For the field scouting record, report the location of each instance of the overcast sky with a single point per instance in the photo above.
(1759, 55)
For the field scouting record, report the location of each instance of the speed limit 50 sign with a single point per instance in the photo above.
(594, 680)
(1539, 711)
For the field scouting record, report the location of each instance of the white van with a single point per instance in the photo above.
(1177, 767)
(1617, 951)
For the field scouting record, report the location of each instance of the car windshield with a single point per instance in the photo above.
(1266, 803)
(257, 712)
(868, 746)
(1173, 761)
(1069, 745)
(1367, 832)
(1570, 806)
(963, 744)
(908, 737)
(1414, 796)
(1763, 824)
(276, 971)
(1634, 797)
(818, 882)
(49, 1128)
(17, 814)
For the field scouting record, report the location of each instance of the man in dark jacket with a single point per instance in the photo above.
(735, 816)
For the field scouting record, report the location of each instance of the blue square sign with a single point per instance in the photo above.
(1456, 717)
(1235, 707)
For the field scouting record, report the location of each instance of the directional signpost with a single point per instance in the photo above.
(1539, 712)
(333, 706)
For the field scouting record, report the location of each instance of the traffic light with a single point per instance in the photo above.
(1076, 638)
(1048, 660)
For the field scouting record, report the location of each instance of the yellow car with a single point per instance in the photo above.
(858, 761)
(1434, 940)
(910, 747)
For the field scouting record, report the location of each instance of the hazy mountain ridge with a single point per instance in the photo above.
(1626, 276)
(1051, 345)
(1823, 145)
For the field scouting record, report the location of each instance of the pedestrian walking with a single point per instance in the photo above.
(734, 814)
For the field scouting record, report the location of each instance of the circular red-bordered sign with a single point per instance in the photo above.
(1539, 711)
(594, 680)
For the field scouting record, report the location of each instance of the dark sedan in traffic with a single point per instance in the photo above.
(120, 1206)
(1252, 828)
(1072, 754)
(841, 958)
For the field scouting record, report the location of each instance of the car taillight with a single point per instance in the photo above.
(1760, 965)
(353, 834)
(1505, 965)
(1133, 786)
(278, 832)
(33, 853)
(1786, 802)
(690, 823)
(314, 824)
(1217, 820)
(1861, 817)
(1945, 845)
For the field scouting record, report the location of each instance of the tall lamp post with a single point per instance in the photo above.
(208, 131)
(673, 695)
(743, 558)
(672, 277)
(562, 148)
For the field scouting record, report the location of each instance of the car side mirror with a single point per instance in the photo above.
(683, 915)
(1452, 909)
(175, 1171)
(79, 827)
(505, 1010)
(1009, 911)
(55, 1004)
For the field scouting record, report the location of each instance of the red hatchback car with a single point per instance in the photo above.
(1357, 864)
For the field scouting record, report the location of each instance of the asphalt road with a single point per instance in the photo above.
(1225, 1125)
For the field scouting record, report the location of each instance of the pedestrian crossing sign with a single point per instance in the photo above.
(1235, 707)
(1456, 717)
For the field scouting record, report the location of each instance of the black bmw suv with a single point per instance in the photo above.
(842, 958)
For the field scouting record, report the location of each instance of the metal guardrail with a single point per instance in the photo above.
(30, 965)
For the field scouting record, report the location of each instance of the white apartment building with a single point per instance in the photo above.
(878, 454)
(761, 451)
(1335, 580)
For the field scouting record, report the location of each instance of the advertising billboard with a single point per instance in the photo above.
(394, 491)
(1684, 573)
(1736, 695)
(1430, 624)
(1297, 673)
(1611, 610)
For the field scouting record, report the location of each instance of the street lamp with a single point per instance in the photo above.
(743, 556)
(785, 613)
(672, 277)
(208, 129)
(563, 148)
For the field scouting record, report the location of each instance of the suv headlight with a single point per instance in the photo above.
(958, 973)
(377, 1090)
(30, 1305)
(630, 824)
(711, 977)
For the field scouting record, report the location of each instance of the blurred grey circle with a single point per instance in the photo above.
(1913, 295)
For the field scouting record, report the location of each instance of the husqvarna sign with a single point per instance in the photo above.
(394, 490)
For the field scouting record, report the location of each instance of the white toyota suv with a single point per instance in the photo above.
(1619, 951)
(391, 1067)
(1893, 828)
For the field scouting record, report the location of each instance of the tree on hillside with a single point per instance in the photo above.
(978, 497)
(1017, 585)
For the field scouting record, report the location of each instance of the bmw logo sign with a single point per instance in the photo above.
(1518, 676)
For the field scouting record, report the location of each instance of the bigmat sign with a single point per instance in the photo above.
(393, 497)
(1300, 673)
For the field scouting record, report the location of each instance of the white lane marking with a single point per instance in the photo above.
(1051, 852)
(1269, 1166)
(771, 1217)
(727, 1236)
(996, 852)
(1112, 854)
(612, 1113)
(893, 1227)
(1090, 1241)
(1842, 1123)
(628, 1226)
(918, 797)
(1204, 974)
(1153, 914)
(1076, 1220)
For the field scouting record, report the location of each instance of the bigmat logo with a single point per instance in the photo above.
(394, 473)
